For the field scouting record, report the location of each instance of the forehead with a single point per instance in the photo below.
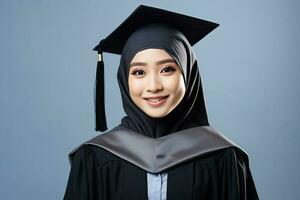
(150, 55)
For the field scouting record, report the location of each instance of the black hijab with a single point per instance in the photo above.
(190, 112)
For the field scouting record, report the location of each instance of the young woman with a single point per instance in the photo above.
(164, 148)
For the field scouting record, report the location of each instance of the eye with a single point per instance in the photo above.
(138, 73)
(168, 70)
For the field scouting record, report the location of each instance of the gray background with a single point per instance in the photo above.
(249, 67)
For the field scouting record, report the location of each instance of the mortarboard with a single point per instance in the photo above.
(193, 28)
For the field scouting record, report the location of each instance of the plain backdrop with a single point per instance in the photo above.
(250, 75)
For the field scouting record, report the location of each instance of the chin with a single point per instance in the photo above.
(156, 114)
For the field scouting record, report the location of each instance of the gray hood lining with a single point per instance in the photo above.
(157, 154)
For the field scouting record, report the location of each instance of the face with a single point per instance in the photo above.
(155, 81)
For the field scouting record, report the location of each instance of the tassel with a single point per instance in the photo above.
(99, 103)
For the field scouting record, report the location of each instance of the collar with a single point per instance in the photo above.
(157, 154)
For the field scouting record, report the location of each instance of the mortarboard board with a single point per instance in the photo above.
(193, 28)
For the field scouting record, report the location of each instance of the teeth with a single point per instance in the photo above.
(155, 100)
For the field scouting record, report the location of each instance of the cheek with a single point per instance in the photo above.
(175, 85)
(135, 87)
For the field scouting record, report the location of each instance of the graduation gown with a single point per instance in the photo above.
(211, 167)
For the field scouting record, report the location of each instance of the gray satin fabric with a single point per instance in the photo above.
(157, 154)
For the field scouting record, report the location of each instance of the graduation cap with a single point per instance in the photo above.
(193, 28)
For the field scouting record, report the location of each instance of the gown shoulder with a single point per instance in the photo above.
(222, 174)
(235, 175)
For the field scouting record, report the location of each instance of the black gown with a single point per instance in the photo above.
(200, 164)
(217, 175)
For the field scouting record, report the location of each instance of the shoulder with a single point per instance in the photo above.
(217, 147)
(233, 155)
(98, 154)
(229, 154)
(86, 149)
(230, 151)
(87, 153)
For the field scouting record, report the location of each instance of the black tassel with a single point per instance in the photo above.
(99, 97)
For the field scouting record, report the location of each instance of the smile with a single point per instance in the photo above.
(156, 101)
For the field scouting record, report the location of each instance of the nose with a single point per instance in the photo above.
(154, 84)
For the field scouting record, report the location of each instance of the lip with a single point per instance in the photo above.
(156, 97)
(158, 103)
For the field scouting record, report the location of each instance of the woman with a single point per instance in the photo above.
(164, 148)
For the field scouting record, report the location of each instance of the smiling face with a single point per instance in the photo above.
(155, 81)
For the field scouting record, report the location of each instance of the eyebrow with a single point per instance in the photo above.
(158, 62)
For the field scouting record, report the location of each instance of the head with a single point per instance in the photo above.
(155, 81)
(162, 66)
(154, 28)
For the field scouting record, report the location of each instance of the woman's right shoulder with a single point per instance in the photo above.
(88, 152)
(87, 149)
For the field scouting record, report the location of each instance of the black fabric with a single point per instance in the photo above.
(160, 153)
(220, 175)
(190, 112)
(193, 28)
(99, 103)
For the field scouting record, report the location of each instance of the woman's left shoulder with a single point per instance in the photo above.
(90, 147)
(233, 154)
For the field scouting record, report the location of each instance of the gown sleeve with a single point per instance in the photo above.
(236, 179)
(82, 184)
